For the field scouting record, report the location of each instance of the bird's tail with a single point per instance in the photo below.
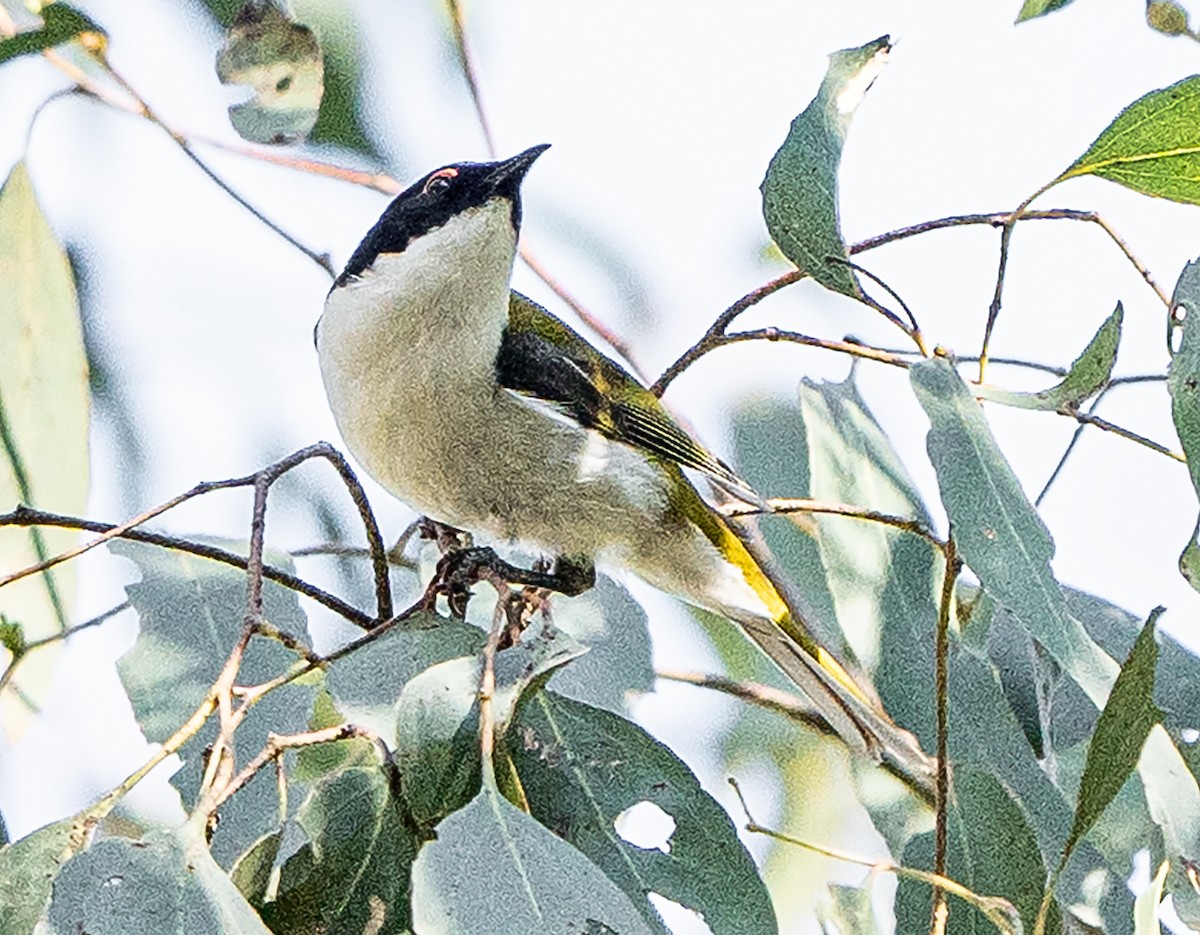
(779, 629)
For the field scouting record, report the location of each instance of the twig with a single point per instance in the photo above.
(487, 677)
(912, 329)
(267, 475)
(7, 675)
(467, 65)
(789, 705)
(1088, 419)
(999, 911)
(1078, 433)
(24, 516)
(783, 505)
(278, 743)
(942, 694)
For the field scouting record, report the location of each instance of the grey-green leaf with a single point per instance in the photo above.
(999, 534)
(800, 191)
(1183, 384)
(493, 870)
(1088, 375)
(44, 414)
(28, 868)
(280, 60)
(354, 873)
(582, 767)
(190, 614)
(437, 719)
(162, 883)
(251, 873)
(1153, 145)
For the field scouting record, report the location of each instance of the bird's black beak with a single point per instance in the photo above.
(506, 176)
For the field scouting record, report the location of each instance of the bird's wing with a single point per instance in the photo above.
(542, 359)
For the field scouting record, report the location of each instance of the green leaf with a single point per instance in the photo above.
(1121, 731)
(60, 23)
(318, 760)
(564, 753)
(495, 870)
(999, 534)
(280, 60)
(991, 850)
(437, 719)
(850, 911)
(1167, 17)
(12, 636)
(28, 868)
(1153, 145)
(1145, 908)
(251, 873)
(354, 874)
(1088, 375)
(44, 408)
(800, 190)
(1031, 9)
(190, 613)
(162, 883)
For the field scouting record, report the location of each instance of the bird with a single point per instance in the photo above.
(481, 410)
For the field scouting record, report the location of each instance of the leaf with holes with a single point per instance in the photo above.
(1183, 383)
(280, 61)
(1088, 375)
(1153, 145)
(800, 190)
(581, 768)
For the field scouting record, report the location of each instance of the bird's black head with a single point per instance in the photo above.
(432, 201)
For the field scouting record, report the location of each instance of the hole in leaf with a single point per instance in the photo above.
(647, 826)
(680, 919)
(1189, 735)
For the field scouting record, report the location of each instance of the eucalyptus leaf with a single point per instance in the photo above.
(1145, 908)
(165, 882)
(999, 534)
(60, 23)
(44, 415)
(28, 868)
(437, 719)
(800, 190)
(191, 613)
(991, 851)
(1087, 376)
(1031, 9)
(1120, 733)
(581, 767)
(1183, 383)
(1152, 147)
(354, 873)
(251, 872)
(852, 461)
(493, 870)
(280, 60)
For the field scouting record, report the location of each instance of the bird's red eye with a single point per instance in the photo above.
(439, 181)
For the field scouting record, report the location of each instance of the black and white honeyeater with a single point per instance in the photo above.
(480, 409)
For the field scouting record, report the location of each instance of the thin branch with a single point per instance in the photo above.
(795, 707)
(277, 744)
(999, 911)
(782, 505)
(912, 329)
(267, 475)
(942, 696)
(1088, 419)
(25, 516)
(466, 62)
(7, 675)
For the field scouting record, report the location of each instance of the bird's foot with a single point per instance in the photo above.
(461, 568)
